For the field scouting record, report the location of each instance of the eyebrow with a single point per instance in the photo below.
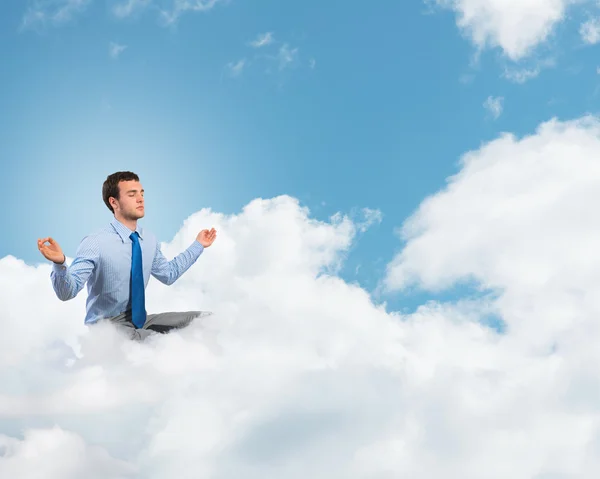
(133, 191)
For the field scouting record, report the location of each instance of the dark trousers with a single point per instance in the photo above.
(156, 323)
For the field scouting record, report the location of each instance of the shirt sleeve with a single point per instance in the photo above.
(67, 281)
(168, 272)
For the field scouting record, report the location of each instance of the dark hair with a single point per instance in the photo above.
(111, 185)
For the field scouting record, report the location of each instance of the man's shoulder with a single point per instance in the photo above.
(101, 232)
(99, 235)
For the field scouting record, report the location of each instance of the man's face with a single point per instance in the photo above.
(131, 199)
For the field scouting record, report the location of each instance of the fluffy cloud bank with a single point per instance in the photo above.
(517, 223)
(298, 374)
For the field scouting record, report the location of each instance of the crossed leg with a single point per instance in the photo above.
(157, 323)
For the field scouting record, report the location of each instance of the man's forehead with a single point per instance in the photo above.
(130, 185)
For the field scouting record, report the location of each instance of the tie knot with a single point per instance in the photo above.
(134, 236)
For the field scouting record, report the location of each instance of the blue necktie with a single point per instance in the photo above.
(138, 309)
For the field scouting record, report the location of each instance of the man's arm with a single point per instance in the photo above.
(168, 272)
(67, 281)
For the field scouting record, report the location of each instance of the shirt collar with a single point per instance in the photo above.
(123, 231)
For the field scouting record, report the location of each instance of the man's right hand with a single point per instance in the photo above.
(51, 251)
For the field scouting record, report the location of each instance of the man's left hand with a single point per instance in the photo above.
(206, 237)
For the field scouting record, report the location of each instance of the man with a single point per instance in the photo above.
(117, 261)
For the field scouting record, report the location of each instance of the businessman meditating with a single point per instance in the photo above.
(117, 261)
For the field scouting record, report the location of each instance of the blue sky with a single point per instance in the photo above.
(347, 106)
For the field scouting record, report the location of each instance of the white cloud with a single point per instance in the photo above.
(298, 374)
(236, 69)
(57, 454)
(286, 56)
(495, 105)
(57, 12)
(179, 7)
(169, 10)
(523, 74)
(262, 40)
(515, 26)
(371, 217)
(590, 31)
(517, 220)
(127, 8)
(52, 12)
(115, 49)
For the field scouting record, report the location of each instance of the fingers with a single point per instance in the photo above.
(207, 236)
(47, 249)
(43, 249)
(49, 240)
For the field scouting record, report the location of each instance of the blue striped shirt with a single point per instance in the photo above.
(103, 260)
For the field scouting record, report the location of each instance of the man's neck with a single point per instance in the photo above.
(131, 224)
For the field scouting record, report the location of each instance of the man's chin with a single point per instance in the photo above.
(136, 215)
